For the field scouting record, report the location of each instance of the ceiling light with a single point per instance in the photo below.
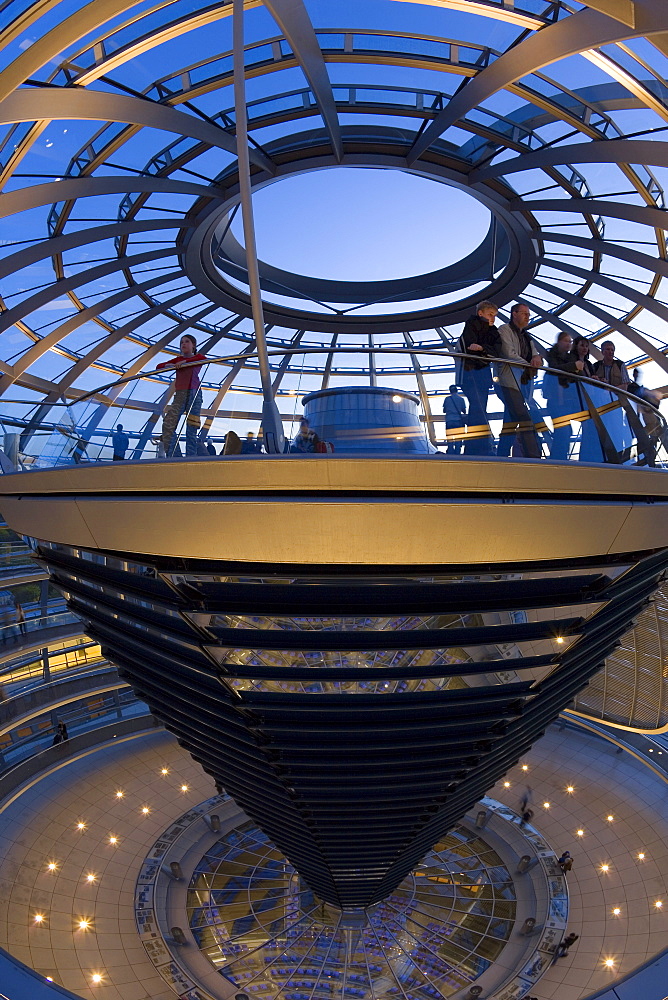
(145, 810)
(525, 767)
(52, 866)
(570, 789)
(609, 962)
(113, 840)
(580, 833)
(546, 805)
(119, 795)
(164, 770)
(84, 924)
(96, 977)
(641, 856)
(616, 911)
(506, 784)
(658, 904)
(610, 819)
(184, 788)
(38, 918)
(90, 877)
(81, 825)
(605, 868)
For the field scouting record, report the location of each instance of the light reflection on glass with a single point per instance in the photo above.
(264, 930)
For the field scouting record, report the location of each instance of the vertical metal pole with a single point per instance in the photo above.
(271, 420)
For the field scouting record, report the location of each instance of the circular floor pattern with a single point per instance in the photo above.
(263, 928)
(39, 825)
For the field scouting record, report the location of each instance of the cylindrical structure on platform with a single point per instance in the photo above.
(367, 419)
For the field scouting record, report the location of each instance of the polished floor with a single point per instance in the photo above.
(40, 828)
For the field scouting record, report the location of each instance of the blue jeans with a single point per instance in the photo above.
(188, 401)
(517, 422)
(476, 385)
(455, 444)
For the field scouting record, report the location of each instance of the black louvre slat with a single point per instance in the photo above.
(240, 638)
(388, 599)
(354, 787)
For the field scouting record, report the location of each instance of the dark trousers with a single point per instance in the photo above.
(456, 442)
(476, 385)
(516, 422)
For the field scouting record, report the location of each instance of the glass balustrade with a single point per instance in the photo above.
(503, 410)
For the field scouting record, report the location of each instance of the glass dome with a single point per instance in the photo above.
(521, 149)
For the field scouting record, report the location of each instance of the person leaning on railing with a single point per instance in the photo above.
(479, 341)
(561, 392)
(187, 397)
(305, 440)
(610, 369)
(515, 385)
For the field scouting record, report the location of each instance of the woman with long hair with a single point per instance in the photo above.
(561, 393)
(590, 443)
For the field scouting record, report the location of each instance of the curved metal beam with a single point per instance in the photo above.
(648, 303)
(60, 103)
(644, 215)
(602, 315)
(15, 371)
(65, 34)
(37, 195)
(295, 23)
(651, 152)
(657, 265)
(63, 285)
(568, 37)
(53, 245)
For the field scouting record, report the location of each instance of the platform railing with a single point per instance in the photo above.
(514, 410)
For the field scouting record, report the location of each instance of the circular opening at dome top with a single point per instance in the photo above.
(364, 224)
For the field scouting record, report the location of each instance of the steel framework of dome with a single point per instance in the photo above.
(356, 697)
(120, 181)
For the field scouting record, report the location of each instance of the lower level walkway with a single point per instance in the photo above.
(40, 829)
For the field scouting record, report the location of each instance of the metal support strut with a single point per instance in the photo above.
(272, 425)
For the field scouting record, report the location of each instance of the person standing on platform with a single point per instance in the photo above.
(565, 862)
(561, 393)
(250, 446)
(454, 407)
(567, 943)
(610, 369)
(187, 398)
(305, 440)
(21, 620)
(479, 341)
(120, 443)
(62, 736)
(515, 385)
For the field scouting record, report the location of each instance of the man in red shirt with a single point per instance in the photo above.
(187, 398)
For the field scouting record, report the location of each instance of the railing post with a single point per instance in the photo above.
(272, 425)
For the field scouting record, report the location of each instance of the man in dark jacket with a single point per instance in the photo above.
(479, 341)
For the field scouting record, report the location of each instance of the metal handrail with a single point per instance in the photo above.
(435, 351)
